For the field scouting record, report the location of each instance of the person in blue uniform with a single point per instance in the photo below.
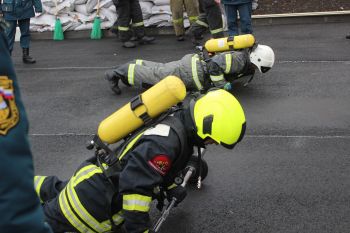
(108, 193)
(19, 13)
(244, 8)
(20, 209)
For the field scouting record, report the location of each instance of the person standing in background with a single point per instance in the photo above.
(210, 18)
(20, 209)
(244, 7)
(19, 13)
(130, 14)
(177, 11)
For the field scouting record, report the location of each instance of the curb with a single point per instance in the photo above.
(259, 20)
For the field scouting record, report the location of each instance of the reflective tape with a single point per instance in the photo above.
(131, 78)
(193, 18)
(195, 73)
(202, 23)
(178, 21)
(72, 208)
(138, 61)
(136, 202)
(70, 216)
(214, 31)
(228, 58)
(217, 78)
(123, 28)
(38, 182)
(138, 24)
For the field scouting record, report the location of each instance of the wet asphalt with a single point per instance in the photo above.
(291, 172)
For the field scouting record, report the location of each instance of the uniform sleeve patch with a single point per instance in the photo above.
(159, 130)
(160, 163)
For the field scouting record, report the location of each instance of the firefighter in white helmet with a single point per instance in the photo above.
(197, 73)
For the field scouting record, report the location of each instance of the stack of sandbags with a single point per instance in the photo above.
(74, 14)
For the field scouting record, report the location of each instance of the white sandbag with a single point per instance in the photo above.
(156, 19)
(84, 26)
(43, 20)
(81, 9)
(81, 17)
(111, 16)
(164, 24)
(161, 2)
(146, 8)
(71, 26)
(164, 9)
(90, 5)
(63, 7)
(78, 2)
(105, 4)
(65, 19)
(112, 8)
(106, 24)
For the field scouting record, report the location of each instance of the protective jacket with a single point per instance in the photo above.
(89, 202)
(18, 10)
(196, 73)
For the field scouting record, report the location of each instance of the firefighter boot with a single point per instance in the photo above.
(146, 40)
(113, 79)
(26, 58)
(129, 44)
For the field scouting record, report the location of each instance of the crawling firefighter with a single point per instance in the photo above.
(115, 196)
(197, 72)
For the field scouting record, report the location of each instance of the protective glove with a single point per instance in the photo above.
(228, 87)
(178, 192)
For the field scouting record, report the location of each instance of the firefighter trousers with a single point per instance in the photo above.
(210, 18)
(129, 14)
(177, 10)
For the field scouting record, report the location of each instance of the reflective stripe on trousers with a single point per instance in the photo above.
(75, 212)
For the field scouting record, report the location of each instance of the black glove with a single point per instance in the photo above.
(178, 192)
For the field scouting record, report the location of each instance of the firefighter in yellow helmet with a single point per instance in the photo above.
(117, 192)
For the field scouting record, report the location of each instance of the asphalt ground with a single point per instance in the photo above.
(289, 174)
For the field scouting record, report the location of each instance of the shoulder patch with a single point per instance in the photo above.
(9, 115)
(159, 130)
(160, 163)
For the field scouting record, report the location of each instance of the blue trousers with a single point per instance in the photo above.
(245, 18)
(25, 34)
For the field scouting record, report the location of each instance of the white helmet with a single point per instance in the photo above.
(263, 57)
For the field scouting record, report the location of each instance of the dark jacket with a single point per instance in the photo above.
(89, 202)
(20, 9)
(19, 206)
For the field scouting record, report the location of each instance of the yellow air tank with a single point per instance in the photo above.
(229, 43)
(141, 109)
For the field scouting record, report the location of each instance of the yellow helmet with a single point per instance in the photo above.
(218, 115)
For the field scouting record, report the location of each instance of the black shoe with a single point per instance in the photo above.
(133, 38)
(180, 38)
(129, 44)
(26, 58)
(348, 36)
(146, 40)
